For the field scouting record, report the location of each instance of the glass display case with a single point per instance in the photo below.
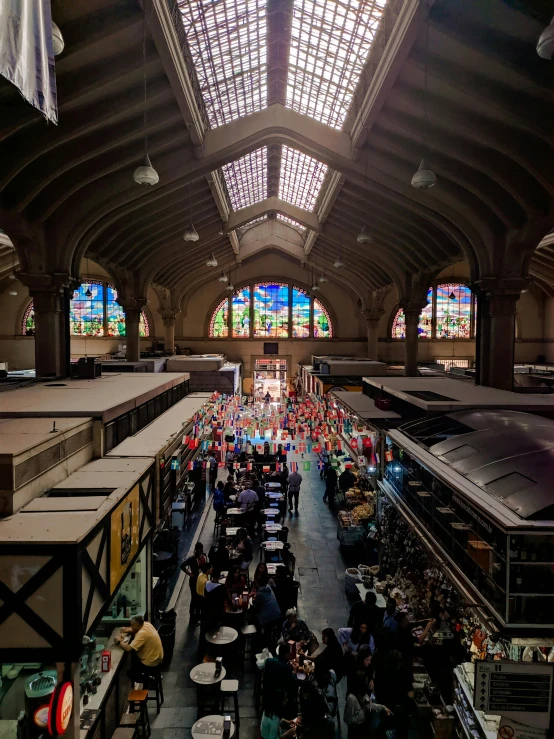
(513, 570)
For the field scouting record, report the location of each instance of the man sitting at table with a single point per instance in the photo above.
(146, 648)
(279, 675)
(247, 499)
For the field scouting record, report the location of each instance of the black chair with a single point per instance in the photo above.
(155, 684)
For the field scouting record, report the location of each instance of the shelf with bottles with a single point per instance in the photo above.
(476, 724)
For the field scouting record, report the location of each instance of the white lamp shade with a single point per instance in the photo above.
(212, 262)
(364, 237)
(146, 174)
(223, 277)
(190, 234)
(338, 264)
(57, 40)
(424, 178)
(323, 279)
(545, 46)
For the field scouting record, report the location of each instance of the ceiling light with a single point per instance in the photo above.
(452, 296)
(146, 174)
(545, 46)
(424, 178)
(12, 292)
(12, 276)
(364, 237)
(191, 234)
(230, 287)
(223, 277)
(315, 286)
(323, 279)
(88, 293)
(338, 263)
(57, 40)
(212, 262)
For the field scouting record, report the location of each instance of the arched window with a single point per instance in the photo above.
(451, 308)
(270, 310)
(93, 311)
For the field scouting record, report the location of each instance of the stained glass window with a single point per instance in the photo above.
(300, 314)
(271, 310)
(453, 310)
(241, 313)
(322, 322)
(454, 303)
(86, 311)
(219, 325)
(28, 327)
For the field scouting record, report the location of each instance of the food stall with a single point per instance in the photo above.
(75, 565)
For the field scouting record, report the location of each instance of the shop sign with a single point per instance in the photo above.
(61, 707)
(124, 541)
(516, 690)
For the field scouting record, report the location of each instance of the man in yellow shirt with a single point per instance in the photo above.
(203, 578)
(146, 647)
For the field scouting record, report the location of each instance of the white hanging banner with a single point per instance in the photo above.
(27, 54)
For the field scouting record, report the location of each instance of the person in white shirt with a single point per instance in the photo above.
(229, 459)
(247, 499)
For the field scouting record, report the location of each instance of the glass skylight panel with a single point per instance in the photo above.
(227, 40)
(291, 222)
(301, 178)
(247, 226)
(246, 179)
(330, 43)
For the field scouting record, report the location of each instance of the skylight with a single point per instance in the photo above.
(246, 179)
(291, 222)
(330, 42)
(301, 178)
(227, 40)
(247, 226)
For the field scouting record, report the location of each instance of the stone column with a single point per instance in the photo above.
(132, 308)
(498, 330)
(412, 310)
(168, 318)
(373, 316)
(51, 322)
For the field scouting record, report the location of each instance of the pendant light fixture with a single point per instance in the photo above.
(452, 296)
(230, 287)
(339, 264)
(57, 40)
(12, 292)
(425, 178)
(88, 293)
(145, 174)
(545, 45)
(190, 233)
(323, 279)
(212, 261)
(223, 277)
(364, 237)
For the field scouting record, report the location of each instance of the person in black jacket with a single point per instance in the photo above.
(367, 612)
(214, 602)
(346, 480)
(330, 486)
(219, 555)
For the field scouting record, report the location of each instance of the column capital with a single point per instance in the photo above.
(38, 282)
(131, 304)
(373, 314)
(168, 316)
(503, 287)
(412, 307)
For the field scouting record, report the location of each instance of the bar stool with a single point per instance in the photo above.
(139, 699)
(130, 722)
(154, 675)
(121, 733)
(248, 632)
(230, 688)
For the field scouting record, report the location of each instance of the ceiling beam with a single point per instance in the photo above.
(219, 193)
(272, 206)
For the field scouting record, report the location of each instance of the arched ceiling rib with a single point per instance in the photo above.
(466, 87)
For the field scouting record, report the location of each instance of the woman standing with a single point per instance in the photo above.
(358, 709)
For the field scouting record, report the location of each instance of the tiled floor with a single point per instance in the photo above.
(320, 567)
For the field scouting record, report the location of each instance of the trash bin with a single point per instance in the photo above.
(167, 634)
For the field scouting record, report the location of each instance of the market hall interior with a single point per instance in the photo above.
(228, 226)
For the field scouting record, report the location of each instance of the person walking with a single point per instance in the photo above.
(295, 480)
(191, 567)
(330, 487)
(212, 464)
(358, 709)
(229, 461)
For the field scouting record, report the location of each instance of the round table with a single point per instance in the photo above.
(223, 635)
(210, 726)
(204, 674)
(162, 556)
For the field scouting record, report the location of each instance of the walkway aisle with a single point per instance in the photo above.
(320, 567)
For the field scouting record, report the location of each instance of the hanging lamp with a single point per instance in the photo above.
(424, 178)
(212, 261)
(223, 277)
(323, 279)
(545, 45)
(364, 237)
(13, 292)
(88, 293)
(452, 296)
(57, 40)
(145, 174)
(190, 234)
(339, 264)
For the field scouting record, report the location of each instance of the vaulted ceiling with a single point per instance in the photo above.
(290, 125)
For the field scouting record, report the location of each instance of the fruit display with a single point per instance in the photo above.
(362, 512)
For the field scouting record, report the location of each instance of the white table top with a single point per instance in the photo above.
(271, 526)
(270, 511)
(223, 635)
(210, 726)
(234, 511)
(273, 485)
(273, 545)
(231, 530)
(204, 674)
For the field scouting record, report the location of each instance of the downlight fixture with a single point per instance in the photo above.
(545, 45)
(146, 174)
(190, 234)
(339, 264)
(223, 277)
(364, 237)
(212, 262)
(424, 178)
(57, 40)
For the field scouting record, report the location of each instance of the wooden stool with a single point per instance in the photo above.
(139, 699)
(228, 688)
(154, 675)
(248, 632)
